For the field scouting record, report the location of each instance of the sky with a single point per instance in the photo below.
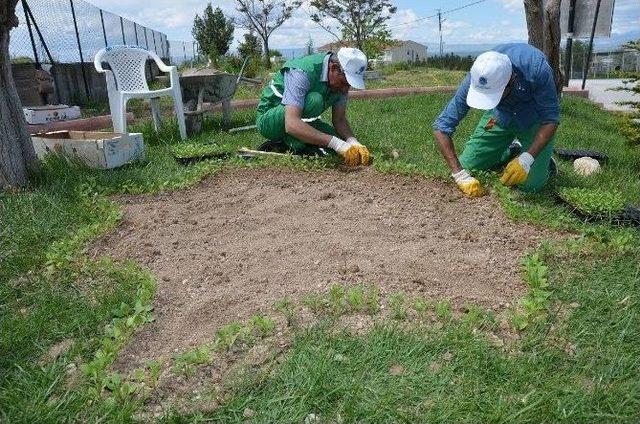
(490, 22)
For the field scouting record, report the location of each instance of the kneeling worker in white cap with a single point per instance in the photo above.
(290, 107)
(515, 85)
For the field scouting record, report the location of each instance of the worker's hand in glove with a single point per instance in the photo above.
(467, 184)
(350, 153)
(517, 170)
(365, 156)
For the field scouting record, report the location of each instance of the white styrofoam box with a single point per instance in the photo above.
(50, 113)
(103, 150)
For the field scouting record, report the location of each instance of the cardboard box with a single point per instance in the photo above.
(102, 150)
(50, 113)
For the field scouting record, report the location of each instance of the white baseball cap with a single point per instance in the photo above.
(353, 63)
(490, 75)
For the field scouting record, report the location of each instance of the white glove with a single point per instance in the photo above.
(526, 160)
(340, 146)
(462, 177)
(353, 141)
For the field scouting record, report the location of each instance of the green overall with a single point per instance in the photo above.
(270, 119)
(488, 148)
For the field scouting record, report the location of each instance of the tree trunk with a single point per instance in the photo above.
(552, 40)
(267, 57)
(543, 27)
(535, 17)
(17, 156)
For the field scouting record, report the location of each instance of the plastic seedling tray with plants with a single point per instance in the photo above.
(598, 204)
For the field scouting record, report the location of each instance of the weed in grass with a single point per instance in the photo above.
(337, 300)
(372, 300)
(229, 334)
(356, 298)
(533, 305)
(316, 302)
(155, 369)
(397, 306)
(186, 363)
(443, 309)
(120, 389)
(263, 325)
(285, 307)
(421, 306)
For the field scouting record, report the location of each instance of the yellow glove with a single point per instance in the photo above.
(365, 156)
(517, 170)
(467, 184)
(353, 154)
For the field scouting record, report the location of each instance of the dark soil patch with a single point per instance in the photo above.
(230, 247)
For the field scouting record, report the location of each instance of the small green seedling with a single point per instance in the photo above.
(421, 306)
(315, 302)
(263, 325)
(356, 298)
(372, 300)
(592, 202)
(443, 309)
(228, 335)
(396, 304)
(285, 307)
(186, 362)
(337, 299)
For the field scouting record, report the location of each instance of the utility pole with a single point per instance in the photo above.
(440, 29)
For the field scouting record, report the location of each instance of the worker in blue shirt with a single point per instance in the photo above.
(514, 84)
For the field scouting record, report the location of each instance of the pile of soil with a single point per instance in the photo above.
(231, 246)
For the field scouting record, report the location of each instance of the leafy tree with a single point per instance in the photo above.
(250, 47)
(264, 17)
(359, 20)
(213, 32)
(17, 157)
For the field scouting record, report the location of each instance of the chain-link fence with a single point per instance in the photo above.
(72, 31)
(63, 37)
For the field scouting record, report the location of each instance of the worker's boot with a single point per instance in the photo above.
(276, 146)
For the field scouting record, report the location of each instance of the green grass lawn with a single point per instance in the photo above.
(576, 359)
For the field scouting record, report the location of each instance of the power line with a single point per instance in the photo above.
(438, 14)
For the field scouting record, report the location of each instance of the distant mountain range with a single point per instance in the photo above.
(600, 44)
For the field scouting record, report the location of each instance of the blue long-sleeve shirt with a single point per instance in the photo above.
(532, 99)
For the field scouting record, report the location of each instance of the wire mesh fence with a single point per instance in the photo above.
(72, 31)
(604, 64)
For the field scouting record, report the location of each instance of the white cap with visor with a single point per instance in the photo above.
(353, 63)
(490, 74)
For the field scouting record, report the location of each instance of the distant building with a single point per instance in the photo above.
(398, 51)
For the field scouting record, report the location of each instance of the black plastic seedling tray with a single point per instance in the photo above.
(630, 216)
(572, 154)
(188, 160)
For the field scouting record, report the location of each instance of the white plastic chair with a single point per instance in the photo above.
(127, 80)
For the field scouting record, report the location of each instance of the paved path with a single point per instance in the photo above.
(598, 92)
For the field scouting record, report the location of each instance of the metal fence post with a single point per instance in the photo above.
(124, 40)
(146, 40)
(84, 74)
(33, 41)
(135, 30)
(155, 48)
(104, 31)
(184, 50)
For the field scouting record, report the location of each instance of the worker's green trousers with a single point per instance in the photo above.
(271, 124)
(488, 148)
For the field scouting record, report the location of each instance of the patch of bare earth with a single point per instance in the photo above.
(231, 246)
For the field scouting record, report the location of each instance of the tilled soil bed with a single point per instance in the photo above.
(231, 246)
